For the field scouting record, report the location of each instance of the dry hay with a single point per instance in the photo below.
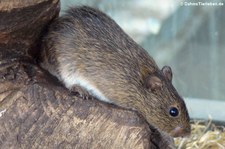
(204, 135)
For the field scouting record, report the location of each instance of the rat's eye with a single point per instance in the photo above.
(174, 111)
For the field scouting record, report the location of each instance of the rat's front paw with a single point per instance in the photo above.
(79, 91)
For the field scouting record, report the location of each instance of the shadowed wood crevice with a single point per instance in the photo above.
(21, 27)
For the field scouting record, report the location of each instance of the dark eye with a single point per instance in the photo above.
(174, 112)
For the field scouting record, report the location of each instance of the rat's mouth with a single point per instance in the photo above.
(180, 132)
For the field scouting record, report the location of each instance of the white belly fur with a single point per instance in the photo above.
(75, 79)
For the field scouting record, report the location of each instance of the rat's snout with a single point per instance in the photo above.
(181, 132)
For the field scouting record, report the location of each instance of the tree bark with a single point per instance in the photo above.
(36, 111)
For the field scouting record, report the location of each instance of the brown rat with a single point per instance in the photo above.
(87, 48)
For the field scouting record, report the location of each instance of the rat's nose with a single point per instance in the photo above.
(181, 132)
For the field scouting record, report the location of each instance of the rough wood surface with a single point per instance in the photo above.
(36, 111)
(21, 24)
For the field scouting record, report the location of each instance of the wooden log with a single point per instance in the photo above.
(36, 111)
(21, 24)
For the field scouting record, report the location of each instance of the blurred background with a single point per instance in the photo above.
(186, 35)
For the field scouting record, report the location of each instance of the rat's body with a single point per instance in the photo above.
(88, 49)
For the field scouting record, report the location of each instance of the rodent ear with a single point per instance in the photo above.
(167, 72)
(153, 83)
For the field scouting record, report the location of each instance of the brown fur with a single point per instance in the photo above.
(87, 41)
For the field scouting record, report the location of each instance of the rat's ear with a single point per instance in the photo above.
(153, 83)
(167, 72)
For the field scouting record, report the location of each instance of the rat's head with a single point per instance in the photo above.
(166, 109)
